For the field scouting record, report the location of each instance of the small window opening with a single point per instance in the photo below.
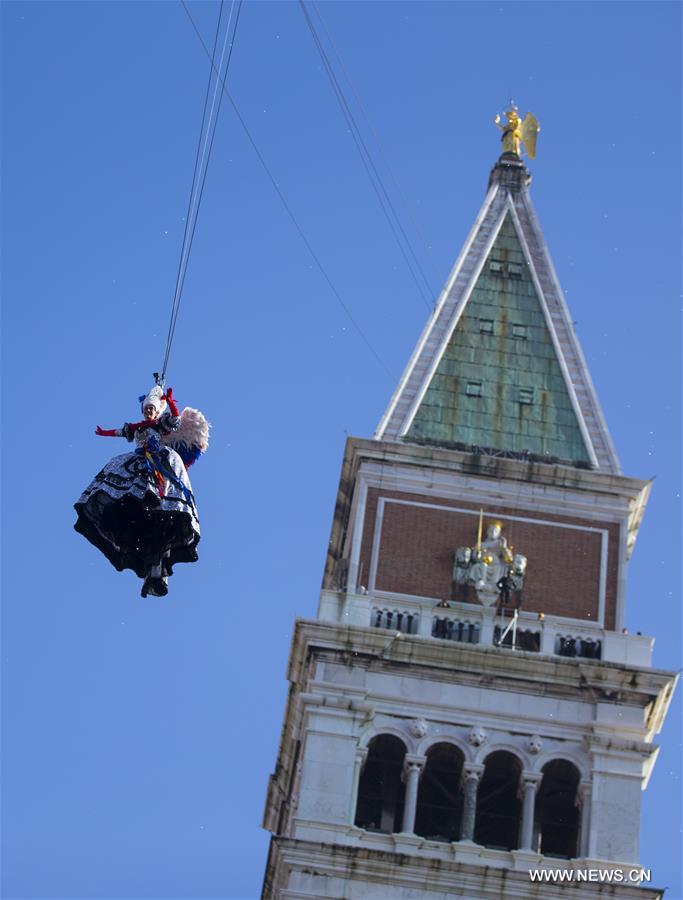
(589, 648)
(455, 630)
(557, 815)
(486, 326)
(566, 646)
(526, 396)
(519, 331)
(514, 270)
(439, 800)
(473, 389)
(498, 804)
(381, 792)
(496, 267)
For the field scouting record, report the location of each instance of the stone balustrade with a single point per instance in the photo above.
(468, 623)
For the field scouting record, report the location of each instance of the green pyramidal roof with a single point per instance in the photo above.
(498, 383)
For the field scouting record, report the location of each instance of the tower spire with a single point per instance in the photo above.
(498, 367)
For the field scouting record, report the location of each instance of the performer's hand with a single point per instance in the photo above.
(103, 432)
(168, 396)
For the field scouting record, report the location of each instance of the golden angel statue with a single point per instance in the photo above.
(518, 131)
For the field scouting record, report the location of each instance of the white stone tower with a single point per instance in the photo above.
(456, 719)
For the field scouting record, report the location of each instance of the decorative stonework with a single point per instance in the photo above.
(535, 744)
(490, 567)
(418, 728)
(477, 736)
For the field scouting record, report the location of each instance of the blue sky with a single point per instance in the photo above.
(138, 735)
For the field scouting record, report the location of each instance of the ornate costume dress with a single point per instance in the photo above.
(140, 510)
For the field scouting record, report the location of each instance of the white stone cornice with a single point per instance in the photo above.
(336, 702)
(613, 745)
(528, 672)
(477, 871)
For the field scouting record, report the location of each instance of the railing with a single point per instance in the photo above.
(403, 620)
(524, 639)
(575, 645)
(465, 631)
(467, 623)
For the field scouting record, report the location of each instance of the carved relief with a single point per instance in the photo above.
(477, 736)
(418, 728)
(535, 744)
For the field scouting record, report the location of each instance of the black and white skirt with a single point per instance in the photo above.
(122, 514)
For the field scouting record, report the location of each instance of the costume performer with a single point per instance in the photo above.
(140, 510)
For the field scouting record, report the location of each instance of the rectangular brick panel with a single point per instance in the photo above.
(417, 544)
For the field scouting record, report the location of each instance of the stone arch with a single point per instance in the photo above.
(499, 806)
(381, 791)
(457, 742)
(367, 737)
(577, 759)
(440, 796)
(486, 750)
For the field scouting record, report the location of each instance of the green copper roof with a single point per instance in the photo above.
(499, 384)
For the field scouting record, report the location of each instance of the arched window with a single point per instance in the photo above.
(381, 792)
(557, 815)
(498, 803)
(439, 800)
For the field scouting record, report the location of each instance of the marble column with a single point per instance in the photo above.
(583, 800)
(412, 769)
(528, 784)
(471, 774)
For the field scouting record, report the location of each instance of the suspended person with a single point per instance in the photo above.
(140, 509)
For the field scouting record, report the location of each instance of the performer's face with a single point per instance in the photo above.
(149, 413)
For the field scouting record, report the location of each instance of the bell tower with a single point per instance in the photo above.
(466, 710)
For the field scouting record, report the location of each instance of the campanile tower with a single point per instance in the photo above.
(466, 706)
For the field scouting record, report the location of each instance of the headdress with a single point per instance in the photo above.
(154, 398)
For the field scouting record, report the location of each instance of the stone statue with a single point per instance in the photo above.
(461, 568)
(479, 569)
(517, 131)
(495, 545)
(517, 577)
(496, 556)
(519, 565)
(491, 568)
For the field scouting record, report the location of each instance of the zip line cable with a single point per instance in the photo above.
(380, 146)
(286, 205)
(202, 158)
(206, 142)
(370, 167)
(210, 143)
(366, 158)
(191, 197)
